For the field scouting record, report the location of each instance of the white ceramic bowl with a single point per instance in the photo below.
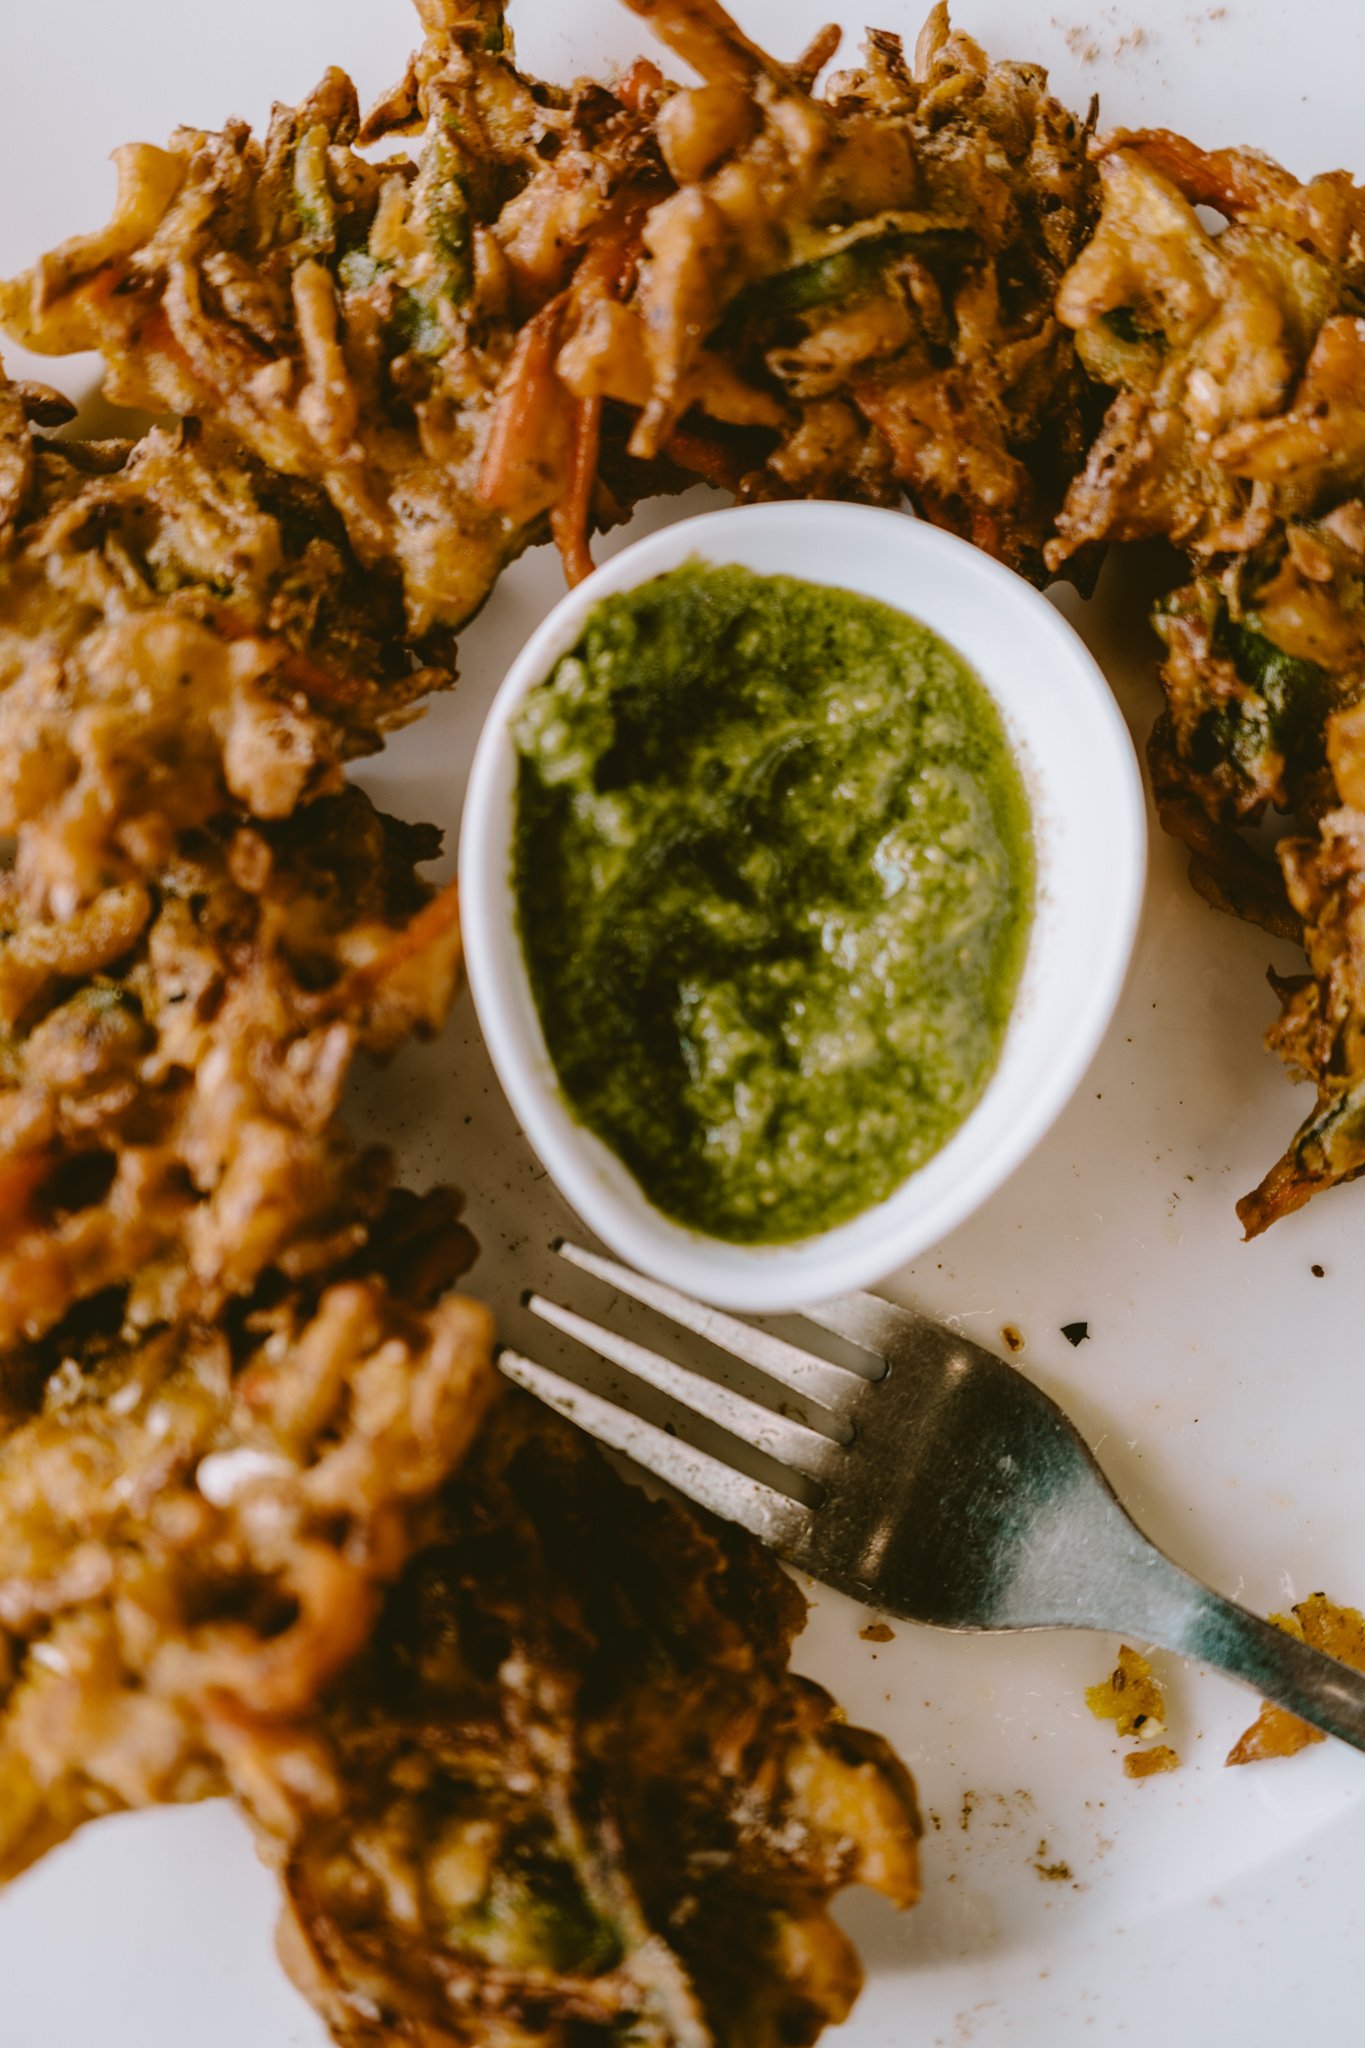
(1090, 836)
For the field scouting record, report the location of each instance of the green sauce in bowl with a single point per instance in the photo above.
(774, 875)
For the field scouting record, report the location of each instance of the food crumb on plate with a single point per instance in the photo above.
(1055, 1872)
(1130, 1697)
(1149, 1763)
(1338, 1632)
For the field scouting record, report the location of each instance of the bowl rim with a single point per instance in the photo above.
(598, 1187)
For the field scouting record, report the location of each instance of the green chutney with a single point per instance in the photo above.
(774, 876)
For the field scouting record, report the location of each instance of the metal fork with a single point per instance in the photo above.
(951, 1490)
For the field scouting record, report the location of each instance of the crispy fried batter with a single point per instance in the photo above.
(350, 322)
(1215, 344)
(181, 632)
(173, 1057)
(1315, 610)
(1151, 1763)
(869, 272)
(855, 290)
(1260, 652)
(1238, 432)
(206, 1515)
(571, 1793)
(1130, 1697)
(1336, 1631)
(1218, 344)
(1224, 869)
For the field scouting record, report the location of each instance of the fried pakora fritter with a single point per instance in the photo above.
(204, 1517)
(1260, 650)
(172, 1059)
(351, 322)
(571, 1793)
(1234, 355)
(847, 294)
(876, 262)
(182, 632)
(1238, 432)
(1338, 1632)
(1221, 347)
(1259, 653)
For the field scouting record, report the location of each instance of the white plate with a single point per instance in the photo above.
(1222, 1382)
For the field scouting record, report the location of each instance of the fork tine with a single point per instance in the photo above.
(780, 1436)
(863, 1319)
(767, 1514)
(815, 1378)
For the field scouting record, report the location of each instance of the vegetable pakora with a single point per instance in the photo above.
(565, 298)
(350, 321)
(204, 1515)
(571, 1793)
(1238, 432)
(881, 258)
(182, 632)
(173, 1058)
(223, 1421)
(496, 1824)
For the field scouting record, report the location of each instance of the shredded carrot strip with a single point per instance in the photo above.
(431, 923)
(315, 682)
(602, 274)
(642, 79)
(704, 458)
(570, 518)
(543, 445)
(531, 396)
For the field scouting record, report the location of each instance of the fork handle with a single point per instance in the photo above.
(1196, 1622)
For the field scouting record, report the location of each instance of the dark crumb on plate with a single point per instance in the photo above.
(1055, 1873)
(1011, 1337)
(1075, 1333)
(1317, 1271)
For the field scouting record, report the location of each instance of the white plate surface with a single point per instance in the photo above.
(1223, 1383)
